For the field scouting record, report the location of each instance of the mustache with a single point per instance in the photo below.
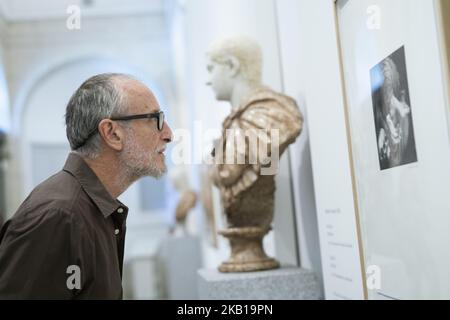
(161, 149)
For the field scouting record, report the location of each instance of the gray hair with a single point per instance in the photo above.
(98, 98)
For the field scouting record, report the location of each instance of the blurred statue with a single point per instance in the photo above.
(208, 205)
(3, 157)
(187, 201)
(260, 119)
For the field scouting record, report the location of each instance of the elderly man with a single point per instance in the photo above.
(66, 241)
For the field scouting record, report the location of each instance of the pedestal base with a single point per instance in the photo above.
(262, 264)
(179, 259)
(247, 252)
(287, 283)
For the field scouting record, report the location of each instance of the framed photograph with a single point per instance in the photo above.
(397, 116)
(443, 9)
(392, 111)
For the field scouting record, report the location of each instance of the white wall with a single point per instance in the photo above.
(4, 105)
(311, 68)
(4, 121)
(294, 82)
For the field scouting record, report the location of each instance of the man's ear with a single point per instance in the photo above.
(112, 134)
(234, 66)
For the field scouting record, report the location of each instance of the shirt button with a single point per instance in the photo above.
(116, 232)
(120, 210)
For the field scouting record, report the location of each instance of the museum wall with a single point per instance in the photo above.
(311, 66)
(314, 68)
(445, 18)
(294, 84)
(4, 125)
(4, 106)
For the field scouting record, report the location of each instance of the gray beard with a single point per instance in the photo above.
(138, 164)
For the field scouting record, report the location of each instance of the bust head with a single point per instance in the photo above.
(232, 60)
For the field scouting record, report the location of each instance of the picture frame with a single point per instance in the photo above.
(395, 80)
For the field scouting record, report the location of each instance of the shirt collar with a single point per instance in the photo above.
(77, 167)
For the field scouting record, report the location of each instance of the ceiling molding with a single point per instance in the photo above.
(26, 10)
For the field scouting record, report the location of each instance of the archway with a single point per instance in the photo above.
(4, 130)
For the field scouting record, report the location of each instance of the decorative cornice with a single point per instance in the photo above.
(23, 10)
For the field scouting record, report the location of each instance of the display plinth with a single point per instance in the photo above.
(179, 260)
(287, 283)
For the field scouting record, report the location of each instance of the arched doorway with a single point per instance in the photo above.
(4, 129)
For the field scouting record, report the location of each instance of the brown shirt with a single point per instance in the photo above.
(68, 228)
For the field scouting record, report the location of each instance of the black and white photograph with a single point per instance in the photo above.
(392, 112)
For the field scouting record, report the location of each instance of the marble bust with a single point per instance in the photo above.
(263, 117)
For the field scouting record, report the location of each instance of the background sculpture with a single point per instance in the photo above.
(3, 157)
(187, 200)
(261, 120)
(208, 206)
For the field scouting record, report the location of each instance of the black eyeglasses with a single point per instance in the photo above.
(156, 115)
(159, 116)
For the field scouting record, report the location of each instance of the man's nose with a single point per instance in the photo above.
(167, 134)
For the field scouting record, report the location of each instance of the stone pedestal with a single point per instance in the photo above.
(287, 283)
(247, 251)
(179, 259)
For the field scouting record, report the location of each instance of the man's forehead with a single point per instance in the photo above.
(140, 97)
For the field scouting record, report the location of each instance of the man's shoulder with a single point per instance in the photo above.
(55, 197)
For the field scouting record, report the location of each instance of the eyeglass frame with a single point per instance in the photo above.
(159, 116)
